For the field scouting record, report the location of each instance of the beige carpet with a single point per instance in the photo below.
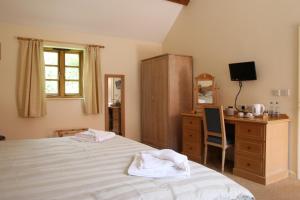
(288, 189)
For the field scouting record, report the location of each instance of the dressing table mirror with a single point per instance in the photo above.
(205, 91)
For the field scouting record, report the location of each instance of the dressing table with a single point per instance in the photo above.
(260, 149)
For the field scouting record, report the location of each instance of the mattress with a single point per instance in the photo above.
(63, 168)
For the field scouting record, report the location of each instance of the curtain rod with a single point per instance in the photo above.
(75, 43)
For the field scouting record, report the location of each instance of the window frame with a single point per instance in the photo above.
(61, 72)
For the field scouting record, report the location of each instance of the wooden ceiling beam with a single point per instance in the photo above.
(183, 2)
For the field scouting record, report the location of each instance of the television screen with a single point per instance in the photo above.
(244, 71)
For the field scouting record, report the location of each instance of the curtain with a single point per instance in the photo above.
(31, 81)
(92, 82)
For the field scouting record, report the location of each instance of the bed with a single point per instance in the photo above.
(64, 168)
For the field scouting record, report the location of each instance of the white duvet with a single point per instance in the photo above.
(63, 168)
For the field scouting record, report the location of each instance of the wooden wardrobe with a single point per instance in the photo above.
(167, 91)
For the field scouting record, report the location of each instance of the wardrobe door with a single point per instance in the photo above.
(159, 106)
(148, 135)
(180, 95)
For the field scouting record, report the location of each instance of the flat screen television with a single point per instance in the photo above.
(244, 71)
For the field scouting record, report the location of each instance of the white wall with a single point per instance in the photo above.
(217, 33)
(120, 56)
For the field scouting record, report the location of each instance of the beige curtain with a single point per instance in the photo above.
(92, 83)
(30, 79)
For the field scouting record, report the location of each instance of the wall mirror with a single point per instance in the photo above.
(115, 103)
(205, 90)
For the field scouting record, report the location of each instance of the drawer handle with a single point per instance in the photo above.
(190, 135)
(191, 148)
(249, 130)
(191, 122)
(248, 147)
(248, 164)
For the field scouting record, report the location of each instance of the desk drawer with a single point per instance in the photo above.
(191, 148)
(116, 117)
(253, 149)
(190, 136)
(116, 113)
(250, 130)
(192, 123)
(195, 158)
(253, 166)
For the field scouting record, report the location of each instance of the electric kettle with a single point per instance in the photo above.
(258, 109)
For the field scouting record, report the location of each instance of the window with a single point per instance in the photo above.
(63, 72)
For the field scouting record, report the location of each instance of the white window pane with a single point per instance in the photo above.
(51, 72)
(71, 73)
(51, 87)
(71, 59)
(51, 58)
(72, 87)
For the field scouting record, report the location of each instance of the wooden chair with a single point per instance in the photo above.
(215, 132)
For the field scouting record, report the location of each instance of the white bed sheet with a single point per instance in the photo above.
(63, 168)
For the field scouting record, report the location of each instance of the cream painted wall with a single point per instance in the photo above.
(298, 174)
(120, 56)
(217, 33)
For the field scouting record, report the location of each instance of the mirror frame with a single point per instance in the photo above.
(204, 77)
(122, 77)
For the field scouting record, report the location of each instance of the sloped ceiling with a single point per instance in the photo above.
(148, 20)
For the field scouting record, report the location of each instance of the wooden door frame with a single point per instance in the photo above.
(122, 77)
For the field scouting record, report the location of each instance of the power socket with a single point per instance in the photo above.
(281, 92)
(285, 92)
(276, 92)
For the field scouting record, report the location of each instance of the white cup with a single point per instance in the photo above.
(249, 115)
(230, 111)
(241, 114)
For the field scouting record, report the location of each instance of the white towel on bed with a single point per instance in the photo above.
(153, 158)
(159, 163)
(92, 135)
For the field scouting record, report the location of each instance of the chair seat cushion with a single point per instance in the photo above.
(218, 140)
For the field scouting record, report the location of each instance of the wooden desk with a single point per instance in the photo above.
(261, 146)
(115, 119)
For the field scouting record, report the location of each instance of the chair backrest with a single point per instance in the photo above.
(214, 125)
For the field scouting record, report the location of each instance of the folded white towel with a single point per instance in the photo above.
(179, 160)
(92, 135)
(159, 163)
(102, 135)
(148, 161)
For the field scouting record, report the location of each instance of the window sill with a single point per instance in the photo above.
(64, 98)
